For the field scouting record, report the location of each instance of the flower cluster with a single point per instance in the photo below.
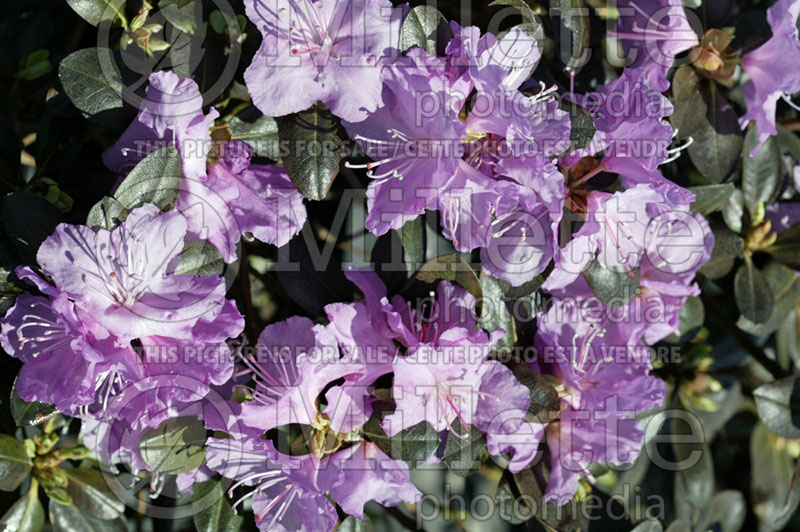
(501, 153)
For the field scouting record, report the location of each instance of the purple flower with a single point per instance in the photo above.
(126, 278)
(653, 32)
(53, 337)
(171, 114)
(604, 380)
(238, 198)
(290, 490)
(416, 146)
(294, 362)
(326, 50)
(772, 70)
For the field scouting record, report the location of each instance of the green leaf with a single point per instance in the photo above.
(761, 175)
(711, 198)
(786, 248)
(421, 27)
(25, 515)
(649, 526)
(782, 516)
(464, 455)
(181, 14)
(315, 147)
(451, 267)
(30, 414)
(572, 16)
(771, 469)
(733, 210)
(545, 404)
(212, 511)
(69, 518)
(582, 124)
(728, 246)
(778, 405)
(413, 445)
(200, 258)
(752, 292)
(156, 179)
(106, 214)
(725, 513)
(15, 465)
(96, 11)
(412, 237)
(614, 287)
(351, 524)
(689, 115)
(784, 285)
(692, 316)
(694, 485)
(495, 314)
(90, 492)
(91, 79)
(261, 135)
(717, 144)
(176, 446)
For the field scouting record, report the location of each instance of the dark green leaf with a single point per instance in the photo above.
(34, 413)
(212, 511)
(572, 20)
(176, 446)
(778, 405)
(582, 124)
(789, 145)
(412, 236)
(761, 175)
(15, 465)
(463, 455)
(91, 79)
(451, 268)
(495, 314)
(692, 316)
(96, 11)
(422, 27)
(262, 135)
(106, 214)
(315, 147)
(786, 512)
(694, 485)
(728, 246)
(413, 445)
(69, 518)
(786, 248)
(26, 515)
(614, 287)
(156, 179)
(545, 405)
(28, 220)
(181, 14)
(689, 115)
(200, 258)
(679, 525)
(649, 526)
(90, 492)
(351, 524)
(733, 210)
(752, 292)
(711, 198)
(717, 144)
(771, 469)
(784, 285)
(726, 513)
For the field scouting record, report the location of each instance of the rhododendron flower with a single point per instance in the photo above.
(239, 198)
(126, 278)
(171, 114)
(326, 50)
(413, 157)
(772, 70)
(653, 32)
(604, 380)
